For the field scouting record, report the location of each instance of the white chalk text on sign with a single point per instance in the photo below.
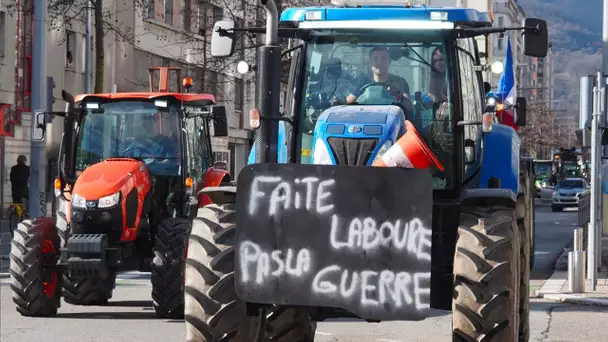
(273, 195)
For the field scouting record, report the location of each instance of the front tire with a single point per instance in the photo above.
(35, 276)
(168, 267)
(88, 291)
(486, 275)
(213, 309)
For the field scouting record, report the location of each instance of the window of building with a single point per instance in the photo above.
(214, 84)
(2, 32)
(6, 124)
(169, 12)
(501, 21)
(239, 100)
(208, 15)
(240, 40)
(149, 12)
(70, 49)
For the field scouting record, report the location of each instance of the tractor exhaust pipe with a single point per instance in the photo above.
(272, 22)
(268, 88)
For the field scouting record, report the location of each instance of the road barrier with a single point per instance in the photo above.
(576, 264)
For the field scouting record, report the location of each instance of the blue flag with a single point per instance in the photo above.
(507, 89)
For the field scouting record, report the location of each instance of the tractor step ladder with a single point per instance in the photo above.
(164, 80)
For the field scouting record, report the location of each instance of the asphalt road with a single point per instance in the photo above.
(131, 317)
(554, 232)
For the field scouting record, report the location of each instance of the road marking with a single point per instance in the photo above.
(323, 333)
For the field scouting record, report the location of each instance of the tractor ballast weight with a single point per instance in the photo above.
(448, 228)
(118, 210)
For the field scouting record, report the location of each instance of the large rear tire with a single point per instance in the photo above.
(486, 275)
(168, 267)
(35, 276)
(213, 311)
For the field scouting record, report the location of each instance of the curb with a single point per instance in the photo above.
(573, 299)
(561, 264)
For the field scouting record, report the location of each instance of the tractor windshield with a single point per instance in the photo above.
(543, 169)
(343, 69)
(135, 129)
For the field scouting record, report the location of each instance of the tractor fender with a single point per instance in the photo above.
(501, 158)
(487, 197)
(213, 178)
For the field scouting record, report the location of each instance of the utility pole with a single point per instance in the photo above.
(87, 50)
(37, 201)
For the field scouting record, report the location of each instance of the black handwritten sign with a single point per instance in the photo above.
(356, 238)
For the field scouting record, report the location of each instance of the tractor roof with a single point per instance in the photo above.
(199, 99)
(377, 10)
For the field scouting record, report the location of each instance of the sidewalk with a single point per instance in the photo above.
(556, 287)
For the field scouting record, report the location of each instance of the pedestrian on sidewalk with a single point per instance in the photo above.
(20, 175)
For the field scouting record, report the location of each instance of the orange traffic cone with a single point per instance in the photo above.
(410, 152)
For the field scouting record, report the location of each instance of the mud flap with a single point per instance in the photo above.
(355, 238)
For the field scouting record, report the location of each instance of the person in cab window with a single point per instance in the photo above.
(380, 61)
(437, 83)
(151, 142)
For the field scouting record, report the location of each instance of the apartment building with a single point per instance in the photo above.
(160, 33)
(534, 75)
(509, 13)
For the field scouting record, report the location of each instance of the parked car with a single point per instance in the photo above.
(567, 192)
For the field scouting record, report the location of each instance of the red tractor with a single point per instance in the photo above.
(131, 166)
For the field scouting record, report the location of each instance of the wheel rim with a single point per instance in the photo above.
(48, 254)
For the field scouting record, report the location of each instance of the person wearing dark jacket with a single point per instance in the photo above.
(20, 175)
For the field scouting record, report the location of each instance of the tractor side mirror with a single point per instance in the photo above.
(520, 111)
(536, 37)
(222, 41)
(220, 122)
(39, 131)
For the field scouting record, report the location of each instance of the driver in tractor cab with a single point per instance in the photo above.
(153, 144)
(380, 61)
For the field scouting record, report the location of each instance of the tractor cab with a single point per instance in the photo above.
(360, 70)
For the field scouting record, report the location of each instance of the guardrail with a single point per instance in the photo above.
(584, 209)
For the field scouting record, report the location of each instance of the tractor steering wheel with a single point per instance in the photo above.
(141, 155)
(402, 102)
(374, 84)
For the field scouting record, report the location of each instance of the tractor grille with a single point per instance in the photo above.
(98, 221)
(354, 152)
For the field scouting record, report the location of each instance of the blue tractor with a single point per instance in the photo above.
(320, 228)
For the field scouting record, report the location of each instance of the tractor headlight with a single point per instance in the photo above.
(109, 201)
(78, 201)
(321, 153)
(383, 150)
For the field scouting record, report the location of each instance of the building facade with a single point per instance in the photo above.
(160, 33)
(534, 75)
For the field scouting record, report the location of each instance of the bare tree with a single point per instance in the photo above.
(538, 137)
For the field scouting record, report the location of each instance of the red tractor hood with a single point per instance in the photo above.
(106, 178)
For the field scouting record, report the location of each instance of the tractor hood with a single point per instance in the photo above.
(106, 178)
(354, 134)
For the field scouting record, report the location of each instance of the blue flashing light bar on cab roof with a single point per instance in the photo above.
(458, 15)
